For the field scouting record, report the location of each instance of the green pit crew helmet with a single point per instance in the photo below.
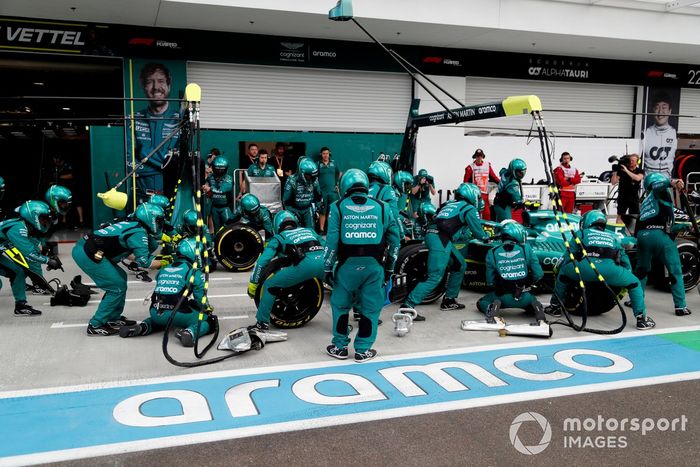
(59, 198)
(512, 231)
(426, 212)
(285, 220)
(308, 170)
(594, 219)
(219, 166)
(656, 182)
(2, 188)
(187, 249)
(159, 200)
(468, 192)
(423, 173)
(151, 217)
(189, 221)
(36, 214)
(250, 204)
(517, 167)
(352, 181)
(403, 181)
(379, 171)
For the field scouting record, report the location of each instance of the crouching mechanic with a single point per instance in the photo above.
(447, 226)
(610, 260)
(301, 247)
(656, 229)
(189, 230)
(98, 254)
(361, 249)
(508, 194)
(254, 214)
(511, 268)
(20, 241)
(301, 191)
(171, 283)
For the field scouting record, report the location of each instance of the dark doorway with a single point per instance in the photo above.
(46, 111)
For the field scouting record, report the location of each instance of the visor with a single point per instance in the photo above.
(64, 206)
(44, 222)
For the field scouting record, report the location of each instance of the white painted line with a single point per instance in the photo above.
(322, 422)
(142, 299)
(60, 324)
(333, 363)
(211, 279)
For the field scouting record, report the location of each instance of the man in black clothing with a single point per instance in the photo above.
(285, 164)
(629, 177)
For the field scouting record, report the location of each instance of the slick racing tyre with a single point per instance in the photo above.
(690, 267)
(237, 247)
(599, 300)
(690, 263)
(294, 306)
(413, 261)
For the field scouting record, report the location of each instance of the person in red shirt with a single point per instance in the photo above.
(566, 178)
(481, 174)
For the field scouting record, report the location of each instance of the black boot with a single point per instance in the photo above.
(451, 304)
(133, 330)
(25, 309)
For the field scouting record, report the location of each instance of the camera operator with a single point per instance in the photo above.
(628, 176)
(423, 187)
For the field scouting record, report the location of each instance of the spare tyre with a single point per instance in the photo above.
(237, 247)
(294, 306)
(413, 261)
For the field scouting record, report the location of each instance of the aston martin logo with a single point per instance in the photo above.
(360, 209)
(292, 45)
(509, 254)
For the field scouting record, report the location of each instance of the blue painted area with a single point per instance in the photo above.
(82, 419)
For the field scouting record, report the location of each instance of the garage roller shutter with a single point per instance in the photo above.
(690, 105)
(560, 96)
(285, 98)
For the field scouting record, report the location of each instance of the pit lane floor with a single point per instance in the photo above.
(52, 351)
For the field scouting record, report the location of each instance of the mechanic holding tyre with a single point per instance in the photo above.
(301, 247)
(656, 229)
(219, 188)
(447, 226)
(171, 283)
(508, 194)
(301, 191)
(511, 268)
(361, 249)
(254, 214)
